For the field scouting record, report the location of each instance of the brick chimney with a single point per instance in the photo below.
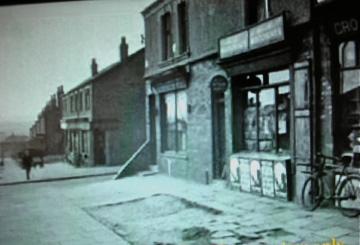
(94, 67)
(59, 95)
(123, 49)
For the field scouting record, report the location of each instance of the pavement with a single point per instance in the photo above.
(157, 209)
(11, 173)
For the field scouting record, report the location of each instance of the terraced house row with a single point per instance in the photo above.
(243, 90)
(251, 90)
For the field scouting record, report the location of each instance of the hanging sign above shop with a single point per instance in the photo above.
(346, 26)
(263, 34)
(171, 85)
(219, 84)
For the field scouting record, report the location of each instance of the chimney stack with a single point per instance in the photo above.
(94, 67)
(123, 49)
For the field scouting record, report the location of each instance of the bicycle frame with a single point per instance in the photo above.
(320, 172)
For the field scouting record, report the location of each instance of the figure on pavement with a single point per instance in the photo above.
(27, 162)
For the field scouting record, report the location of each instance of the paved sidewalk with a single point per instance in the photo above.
(156, 210)
(11, 173)
(244, 218)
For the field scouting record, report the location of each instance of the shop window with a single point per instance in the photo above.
(279, 76)
(166, 36)
(266, 114)
(349, 65)
(174, 121)
(349, 92)
(183, 25)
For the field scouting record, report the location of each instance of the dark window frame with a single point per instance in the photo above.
(167, 36)
(164, 124)
(87, 99)
(183, 24)
(256, 90)
(342, 56)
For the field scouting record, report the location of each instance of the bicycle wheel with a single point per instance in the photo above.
(311, 193)
(349, 196)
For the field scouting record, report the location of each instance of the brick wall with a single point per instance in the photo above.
(198, 158)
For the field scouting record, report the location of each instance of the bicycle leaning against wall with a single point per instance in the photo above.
(346, 193)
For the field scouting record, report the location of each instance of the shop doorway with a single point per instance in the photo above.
(218, 87)
(152, 117)
(99, 138)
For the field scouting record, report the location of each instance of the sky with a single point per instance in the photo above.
(43, 46)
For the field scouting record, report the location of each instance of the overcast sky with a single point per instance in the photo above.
(43, 46)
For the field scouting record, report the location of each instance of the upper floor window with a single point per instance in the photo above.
(258, 10)
(167, 39)
(87, 99)
(72, 103)
(80, 102)
(183, 26)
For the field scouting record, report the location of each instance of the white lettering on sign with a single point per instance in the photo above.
(233, 45)
(346, 26)
(263, 34)
(267, 33)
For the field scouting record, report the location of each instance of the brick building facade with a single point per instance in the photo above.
(104, 116)
(244, 89)
(46, 134)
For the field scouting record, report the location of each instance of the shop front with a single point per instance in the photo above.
(271, 116)
(342, 32)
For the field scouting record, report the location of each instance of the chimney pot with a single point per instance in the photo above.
(94, 67)
(124, 47)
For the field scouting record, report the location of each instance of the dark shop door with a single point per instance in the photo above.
(218, 86)
(152, 116)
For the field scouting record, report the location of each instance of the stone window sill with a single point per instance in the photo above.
(174, 59)
(174, 154)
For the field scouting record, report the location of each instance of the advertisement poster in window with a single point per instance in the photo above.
(280, 179)
(267, 176)
(234, 171)
(255, 173)
(245, 183)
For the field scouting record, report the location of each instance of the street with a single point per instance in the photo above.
(159, 210)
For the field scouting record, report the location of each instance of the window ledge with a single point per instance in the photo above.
(263, 155)
(174, 59)
(174, 154)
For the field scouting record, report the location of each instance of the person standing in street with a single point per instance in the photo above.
(27, 162)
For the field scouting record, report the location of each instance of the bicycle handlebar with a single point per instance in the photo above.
(333, 158)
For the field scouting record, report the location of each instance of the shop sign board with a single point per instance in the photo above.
(170, 85)
(346, 26)
(219, 84)
(265, 33)
(234, 45)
